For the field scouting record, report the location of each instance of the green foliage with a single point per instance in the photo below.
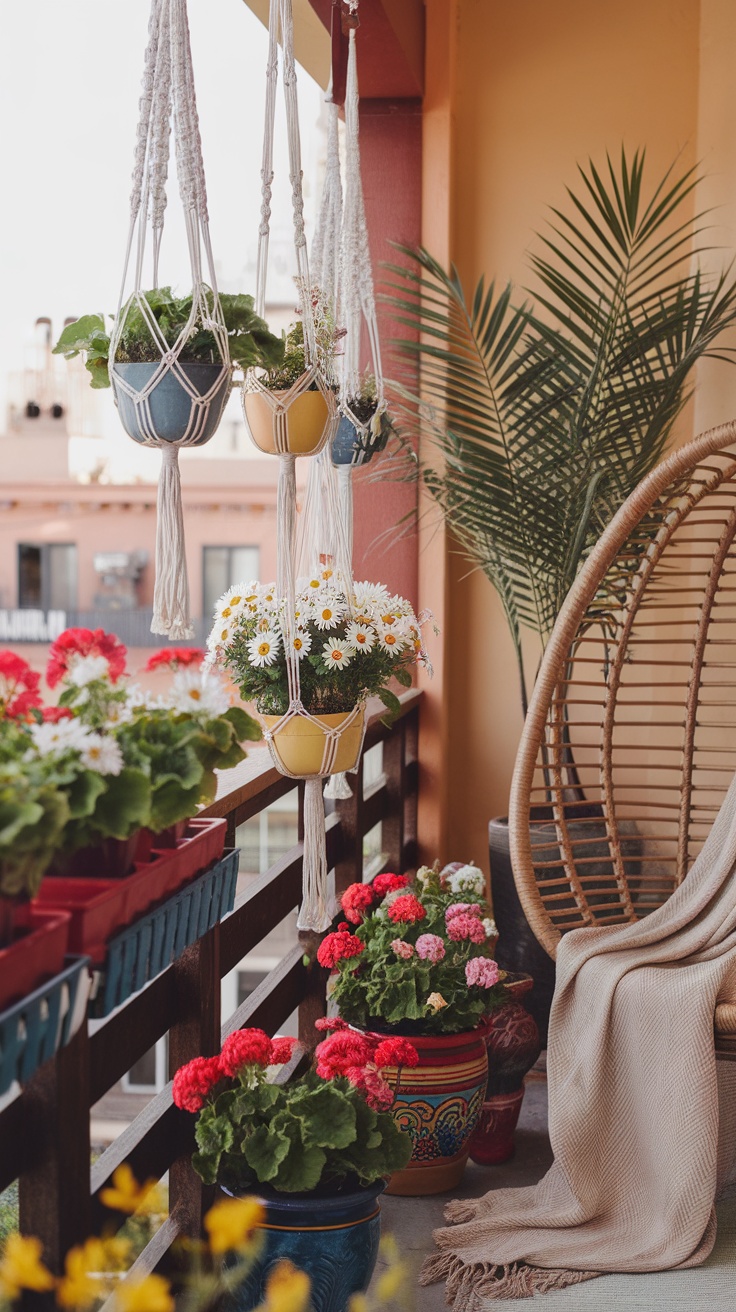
(284, 374)
(296, 1136)
(546, 424)
(249, 339)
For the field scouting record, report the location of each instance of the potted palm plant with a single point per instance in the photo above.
(547, 415)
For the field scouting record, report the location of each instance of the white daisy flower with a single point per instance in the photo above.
(390, 641)
(197, 692)
(302, 643)
(370, 595)
(361, 636)
(222, 634)
(84, 669)
(55, 739)
(336, 655)
(103, 754)
(268, 597)
(264, 648)
(328, 612)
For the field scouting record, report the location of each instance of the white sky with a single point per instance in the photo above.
(70, 75)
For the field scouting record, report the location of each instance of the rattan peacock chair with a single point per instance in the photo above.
(630, 742)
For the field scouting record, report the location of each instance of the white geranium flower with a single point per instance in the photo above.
(327, 612)
(362, 636)
(103, 754)
(198, 692)
(55, 739)
(84, 669)
(468, 879)
(336, 655)
(489, 926)
(263, 649)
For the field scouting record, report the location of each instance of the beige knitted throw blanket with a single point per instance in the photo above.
(633, 1105)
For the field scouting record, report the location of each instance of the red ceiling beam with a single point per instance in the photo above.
(390, 47)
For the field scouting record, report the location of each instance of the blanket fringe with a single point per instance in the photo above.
(460, 1211)
(468, 1287)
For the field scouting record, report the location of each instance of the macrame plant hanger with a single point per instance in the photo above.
(315, 912)
(169, 404)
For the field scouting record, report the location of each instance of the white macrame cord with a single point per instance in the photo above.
(168, 90)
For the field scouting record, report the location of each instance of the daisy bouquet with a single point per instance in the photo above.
(414, 956)
(348, 647)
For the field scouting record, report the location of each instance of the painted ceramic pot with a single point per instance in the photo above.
(351, 446)
(300, 744)
(300, 428)
(513, 1042)
(438, 1102)
(335, 1240)
(169, 412)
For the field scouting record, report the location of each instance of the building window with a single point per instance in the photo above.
(224, 566)
(47, 576)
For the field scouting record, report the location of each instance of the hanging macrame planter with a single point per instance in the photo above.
(167, 401)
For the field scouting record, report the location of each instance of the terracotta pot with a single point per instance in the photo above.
(306, 420)
(513, 1042)
(300, 744)
(438, 1102)
(333, 1238)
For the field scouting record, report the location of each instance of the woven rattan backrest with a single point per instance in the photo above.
(630, 741)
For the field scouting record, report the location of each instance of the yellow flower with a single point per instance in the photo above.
(287, 1290)
(234, 1223)
(81, 1285)
(21, 1267)
(358, 1303)
(151, 1294)
(436, 1002)
(127, 1195)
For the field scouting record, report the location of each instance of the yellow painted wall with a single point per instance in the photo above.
(535, 88)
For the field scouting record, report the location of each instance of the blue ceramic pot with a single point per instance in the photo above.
(166, 413)
(335, 1240)
(351, 447)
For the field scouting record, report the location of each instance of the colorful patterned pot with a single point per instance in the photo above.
(335, 1240)
(439, 1103)
(513, 1043)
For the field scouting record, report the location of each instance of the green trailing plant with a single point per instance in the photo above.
(249, 339)
(547, 415)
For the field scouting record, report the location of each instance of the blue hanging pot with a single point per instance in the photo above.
(168, 413)
(356, 446)
(334, 1239)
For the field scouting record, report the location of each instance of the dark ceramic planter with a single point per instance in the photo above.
(513, 1045)
(351, 447)
(167, 412)
(334, 1239)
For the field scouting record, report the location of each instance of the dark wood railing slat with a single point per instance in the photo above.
(45, 1131)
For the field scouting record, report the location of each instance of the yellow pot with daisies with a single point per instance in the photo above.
(310, 673)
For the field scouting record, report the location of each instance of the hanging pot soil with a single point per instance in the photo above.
(438, 1102)
(166, 413)
(100, 908)
(35, 953)
(300, 743)
(334, 1238)
(356, 446)
(305, 422)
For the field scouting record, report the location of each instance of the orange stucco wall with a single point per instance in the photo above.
(516, 95)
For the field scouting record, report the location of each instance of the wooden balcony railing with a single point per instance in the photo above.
(45, 1131)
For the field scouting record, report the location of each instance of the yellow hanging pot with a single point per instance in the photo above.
(299, 745)
(301, 428)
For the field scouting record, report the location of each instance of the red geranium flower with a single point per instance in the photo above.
(193, 1082)
(52, 714)
(327, 1023)
(174, 658)
(355, 901)
(338, 947)
(396, 1052)
(341, 1052)
(18, 687)
(84, 642)
(245, 1048)
(388, 883)
(406, 909)
(282, 1050)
